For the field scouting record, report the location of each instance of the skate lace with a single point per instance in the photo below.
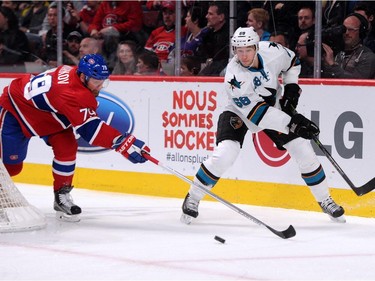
(329, 205)
(192, 204)
(66, 199)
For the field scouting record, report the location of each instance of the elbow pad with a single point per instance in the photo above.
(290, 98)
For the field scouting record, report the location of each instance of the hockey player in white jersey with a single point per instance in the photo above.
(255, 103)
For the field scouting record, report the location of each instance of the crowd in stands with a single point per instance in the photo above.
(138, 37)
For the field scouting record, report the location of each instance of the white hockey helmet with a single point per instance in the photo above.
(245, 36)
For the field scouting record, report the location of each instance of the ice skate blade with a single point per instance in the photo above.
(340, 219)
(186, 219)
(61, 216)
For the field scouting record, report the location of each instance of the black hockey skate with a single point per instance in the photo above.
(64, 206)
(334, 211)
(189, 210)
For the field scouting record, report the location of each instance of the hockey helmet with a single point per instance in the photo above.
(93, 66)
(244, 37)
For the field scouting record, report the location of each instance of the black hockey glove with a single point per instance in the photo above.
(289, 101)
(303, 127)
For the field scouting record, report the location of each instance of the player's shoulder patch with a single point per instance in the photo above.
(273, 44)
(234, 83)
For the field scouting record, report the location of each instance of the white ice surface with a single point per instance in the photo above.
(128, 237)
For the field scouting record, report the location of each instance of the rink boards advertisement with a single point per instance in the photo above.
(177, 118)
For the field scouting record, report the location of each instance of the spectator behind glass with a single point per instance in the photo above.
(116, 21)
(15, 7)
(33, 19)
(367, 9)
(49, 53)
(283, 16)
(280, 37)
(306, 19)
(356, 61)
(306, 59)
(162, 39)
(148, 64)
(333, 13)
(71, 53)
(153, 4)
(258, 18)
(32, 23)
(190, 66)
(13, 42)
(86, 15)
(196, 25)
(126, 58)
(89, 45)
(69, 16)
(214, 50)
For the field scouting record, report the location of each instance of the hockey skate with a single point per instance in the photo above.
(64, 206)
(189, 210)
(334, 211)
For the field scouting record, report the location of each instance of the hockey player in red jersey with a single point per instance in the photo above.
(53, 105)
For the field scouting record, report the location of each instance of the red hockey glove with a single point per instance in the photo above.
(131, 148)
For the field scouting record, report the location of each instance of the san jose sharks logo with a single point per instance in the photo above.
(234, 83)
(273, 44)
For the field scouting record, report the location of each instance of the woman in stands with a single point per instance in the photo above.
(126, 63)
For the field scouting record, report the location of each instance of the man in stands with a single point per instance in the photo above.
(214, 49)
(356, 60)
(161, 40)
(71, 50)
(89, 45)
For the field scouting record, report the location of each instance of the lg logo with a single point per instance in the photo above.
(347, 136)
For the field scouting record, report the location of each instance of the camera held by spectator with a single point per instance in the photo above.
(331, 36)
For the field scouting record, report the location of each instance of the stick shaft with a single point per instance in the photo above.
(334, 163)
(290, 232)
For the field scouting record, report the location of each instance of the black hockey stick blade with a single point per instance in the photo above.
(366, 188)
(359, 190)
(287, 233)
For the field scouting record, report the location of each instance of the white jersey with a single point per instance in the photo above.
(248, 89)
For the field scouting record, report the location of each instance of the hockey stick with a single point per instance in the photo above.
(359, 190)
(285, 234)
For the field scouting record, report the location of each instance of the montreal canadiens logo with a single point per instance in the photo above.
(163, 46)
(114, 112)
(268, 152)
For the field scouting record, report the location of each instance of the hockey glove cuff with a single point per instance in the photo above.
(289, 101)
(303, 127)
(131, 148)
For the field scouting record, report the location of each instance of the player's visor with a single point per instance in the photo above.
(96, 83)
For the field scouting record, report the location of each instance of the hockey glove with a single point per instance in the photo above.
(131, 148)
(303, 127)
(289, 101)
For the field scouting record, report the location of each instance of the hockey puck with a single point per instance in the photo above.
(221, 240)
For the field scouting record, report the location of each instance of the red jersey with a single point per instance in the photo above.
(87, 14)
(125, 16)
(54, 101)
(161, 41)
